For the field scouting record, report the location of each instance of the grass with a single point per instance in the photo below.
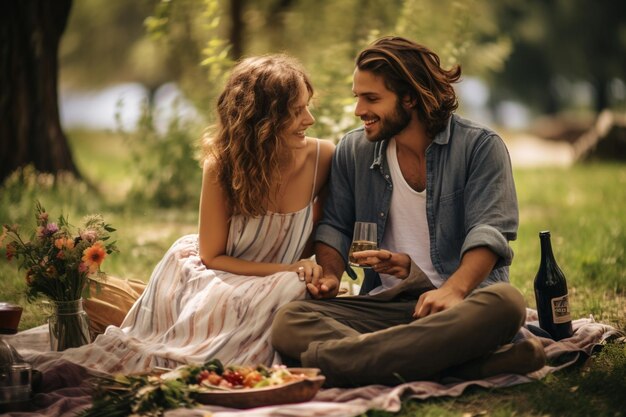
(582, 206)
(102, 154)
(595, 389)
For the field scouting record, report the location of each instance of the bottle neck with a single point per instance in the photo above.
(546, 249)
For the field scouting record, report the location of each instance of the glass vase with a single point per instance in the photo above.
(68, 325)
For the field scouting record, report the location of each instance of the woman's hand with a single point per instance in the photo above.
(306, 269)
(385, 262)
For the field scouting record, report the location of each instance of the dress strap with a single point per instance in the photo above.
(317, 160)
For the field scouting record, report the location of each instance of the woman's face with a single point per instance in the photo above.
(294, 134)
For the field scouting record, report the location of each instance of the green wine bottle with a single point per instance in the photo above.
(551, 294)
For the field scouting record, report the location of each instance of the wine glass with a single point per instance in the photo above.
(364, 238)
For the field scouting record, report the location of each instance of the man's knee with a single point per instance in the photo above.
(511, 305)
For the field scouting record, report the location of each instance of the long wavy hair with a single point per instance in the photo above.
(257, 105)
(413, 70)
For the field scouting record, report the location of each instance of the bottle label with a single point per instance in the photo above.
(560, 310)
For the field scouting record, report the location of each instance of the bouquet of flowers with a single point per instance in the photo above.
(57, 260)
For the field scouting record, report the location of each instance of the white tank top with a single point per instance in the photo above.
(407, 228)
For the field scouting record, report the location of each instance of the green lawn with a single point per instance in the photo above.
(582, 206)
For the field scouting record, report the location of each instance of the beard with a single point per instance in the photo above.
(392, 124)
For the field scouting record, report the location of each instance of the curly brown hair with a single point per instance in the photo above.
(257, 105)
(413, 70)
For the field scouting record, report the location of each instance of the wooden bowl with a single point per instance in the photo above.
(290, 393)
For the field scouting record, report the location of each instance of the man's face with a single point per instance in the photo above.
(382, 113)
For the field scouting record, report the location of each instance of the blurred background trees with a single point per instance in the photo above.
(545, 57)
(550, 56)
(567, 54)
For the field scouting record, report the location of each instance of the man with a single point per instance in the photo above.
(436, 301)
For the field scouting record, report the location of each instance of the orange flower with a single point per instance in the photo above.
(64, 242)
(93, 256)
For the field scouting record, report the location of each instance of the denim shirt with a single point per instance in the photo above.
(470, 197)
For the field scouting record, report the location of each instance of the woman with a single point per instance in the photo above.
(214, 294)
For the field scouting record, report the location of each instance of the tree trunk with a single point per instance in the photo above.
(30, 129)
(236, 28)
(275, 23)
(601, 97)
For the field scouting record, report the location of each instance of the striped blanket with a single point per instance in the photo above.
(66, 388)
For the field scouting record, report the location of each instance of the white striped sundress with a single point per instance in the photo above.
(189, 314)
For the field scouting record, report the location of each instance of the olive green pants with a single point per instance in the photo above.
(366, 340)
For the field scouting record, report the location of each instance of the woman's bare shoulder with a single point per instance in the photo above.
(209, 164)
(327, 148)
(210, 172)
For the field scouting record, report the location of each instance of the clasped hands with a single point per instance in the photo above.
(382, 261)
(318, 284)
(306, 269)
(322, 285)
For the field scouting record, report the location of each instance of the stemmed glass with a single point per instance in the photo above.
(364, 238)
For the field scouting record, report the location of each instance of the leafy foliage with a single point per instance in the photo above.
(21, 190)
(137, 395)
(469, 35)
(192, 30)
(189, 32)
(105, 43)
(165, 164)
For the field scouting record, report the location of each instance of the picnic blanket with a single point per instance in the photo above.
(65, 388)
